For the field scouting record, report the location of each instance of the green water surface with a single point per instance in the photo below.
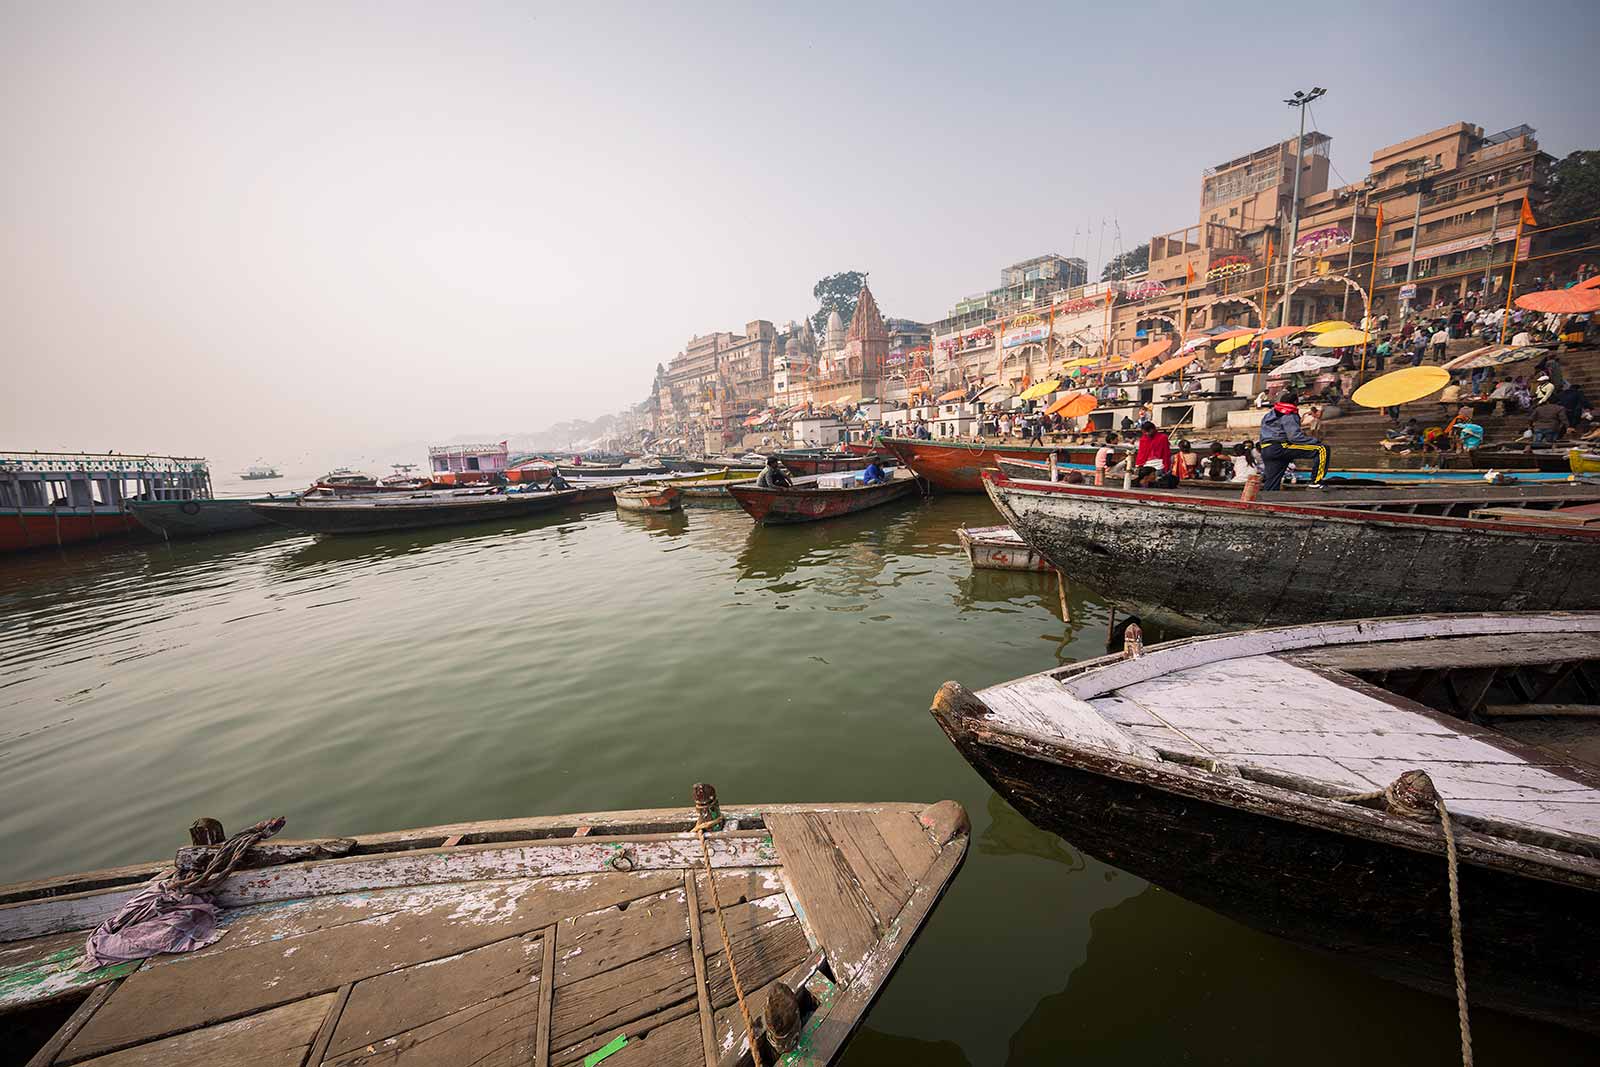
(597, 661)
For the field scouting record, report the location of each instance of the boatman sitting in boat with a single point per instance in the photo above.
(873, 474)
(1284, 440)
(774, 477)
(557, 482)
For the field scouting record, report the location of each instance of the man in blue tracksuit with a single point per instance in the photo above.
(1283, 441)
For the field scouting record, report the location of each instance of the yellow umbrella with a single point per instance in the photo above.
(1235, 342)
(1044, 388)
(1343, 338)
(1401, 387)
(1330, 324)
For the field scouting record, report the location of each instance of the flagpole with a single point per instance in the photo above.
(1511, 283)
(1372, 281)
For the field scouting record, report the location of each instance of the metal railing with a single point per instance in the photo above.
(102, 462)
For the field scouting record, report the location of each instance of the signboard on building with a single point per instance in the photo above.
(1408, 291)
(1464, 244)
(1025, 330)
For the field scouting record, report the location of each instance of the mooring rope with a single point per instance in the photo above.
(226, 858)
(700, 829)
(1413, 796)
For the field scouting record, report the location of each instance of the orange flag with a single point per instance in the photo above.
(1380, 217)
(1111, 297)
(1188, 272)
(1527, 214)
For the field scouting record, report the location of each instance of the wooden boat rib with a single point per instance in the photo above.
(958, 466)
(1215, 560)
(811, 503)
(529, 941)
(381, 513)
(1215, 766)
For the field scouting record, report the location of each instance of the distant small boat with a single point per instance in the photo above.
(658, 498)
(809, 503)
(957, 466)
(199, 517)
(1583, 462)
(1000, 548)
(817, 461)
(260, 473)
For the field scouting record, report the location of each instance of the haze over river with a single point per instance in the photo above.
(591, 661)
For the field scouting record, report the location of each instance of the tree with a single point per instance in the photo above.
(1574, 188)
(1130, 262)
(837, 292)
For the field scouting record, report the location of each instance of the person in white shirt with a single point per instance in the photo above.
(1522, 339)
(1241, 463)
(1103, 454)
(1441, 340)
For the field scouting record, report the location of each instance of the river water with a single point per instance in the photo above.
(596, 661)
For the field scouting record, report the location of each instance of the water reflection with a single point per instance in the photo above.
(873, 1048)
(1009, 833)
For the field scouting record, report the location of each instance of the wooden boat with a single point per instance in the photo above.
(51, 499)
(383, 512)
(809, 503)
(658, 497)
(524, 941)
(957, 466)
(1223, 769)
(1209, 559)
(712, 490)
(199, 517)
(1581, 462)
(1000, 548)
(802, 461)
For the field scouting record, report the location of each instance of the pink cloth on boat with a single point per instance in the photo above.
(154, 920)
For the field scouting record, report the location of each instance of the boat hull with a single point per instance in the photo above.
(197, 518)
(958, 466)
(1530, 944)
(998, 548)
(26, 528)
(320, 518)
(825, 464)
(1228, 563)
(781, 507)
(656, 499)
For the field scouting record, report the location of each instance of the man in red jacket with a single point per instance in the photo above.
(1154, 448)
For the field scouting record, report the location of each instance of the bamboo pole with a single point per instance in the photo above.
(1511, 283)
(1372, 284)
(1266, 281)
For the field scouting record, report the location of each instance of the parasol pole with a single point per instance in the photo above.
(1511, 283)
(1266, 280)
(1372, 281)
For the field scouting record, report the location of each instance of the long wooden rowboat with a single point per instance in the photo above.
(199, 517)
(1215, 560)
(527, 941)
(809, 503)
(800, 462)
(958, 466)
(387, 511)
(1000, 548)
(657, 498)
(1363, 478)
(1230, 769)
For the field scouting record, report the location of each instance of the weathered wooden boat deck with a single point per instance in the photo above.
(1260, 705)
(522, 942)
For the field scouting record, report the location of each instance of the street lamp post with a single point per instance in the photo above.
(1419, 169)
(1298, 100)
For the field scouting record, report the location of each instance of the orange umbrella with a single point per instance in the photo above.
(1278, 333)
(1230, 334)
(1149, 351)
(954, 394)
(1075, 406)
(1561, 301)
(1171, 366)
(1592, 283)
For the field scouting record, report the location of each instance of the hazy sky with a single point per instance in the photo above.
(240, 230)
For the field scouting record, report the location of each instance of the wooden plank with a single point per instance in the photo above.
(1454, 652)
(406, 999)
(698, 949)
(1540, 711)
(761, 955)
(607, 1002)
(48, 967)
(68, 1030)
(211, 986)
(825, 891)
(668, 1037)
(280, 1037)
(885, 883)
(1039, 703)
(495, 1033)
(738, 886)
(909, 842)
(547, 989)
(330, 1023)
(600, 940)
